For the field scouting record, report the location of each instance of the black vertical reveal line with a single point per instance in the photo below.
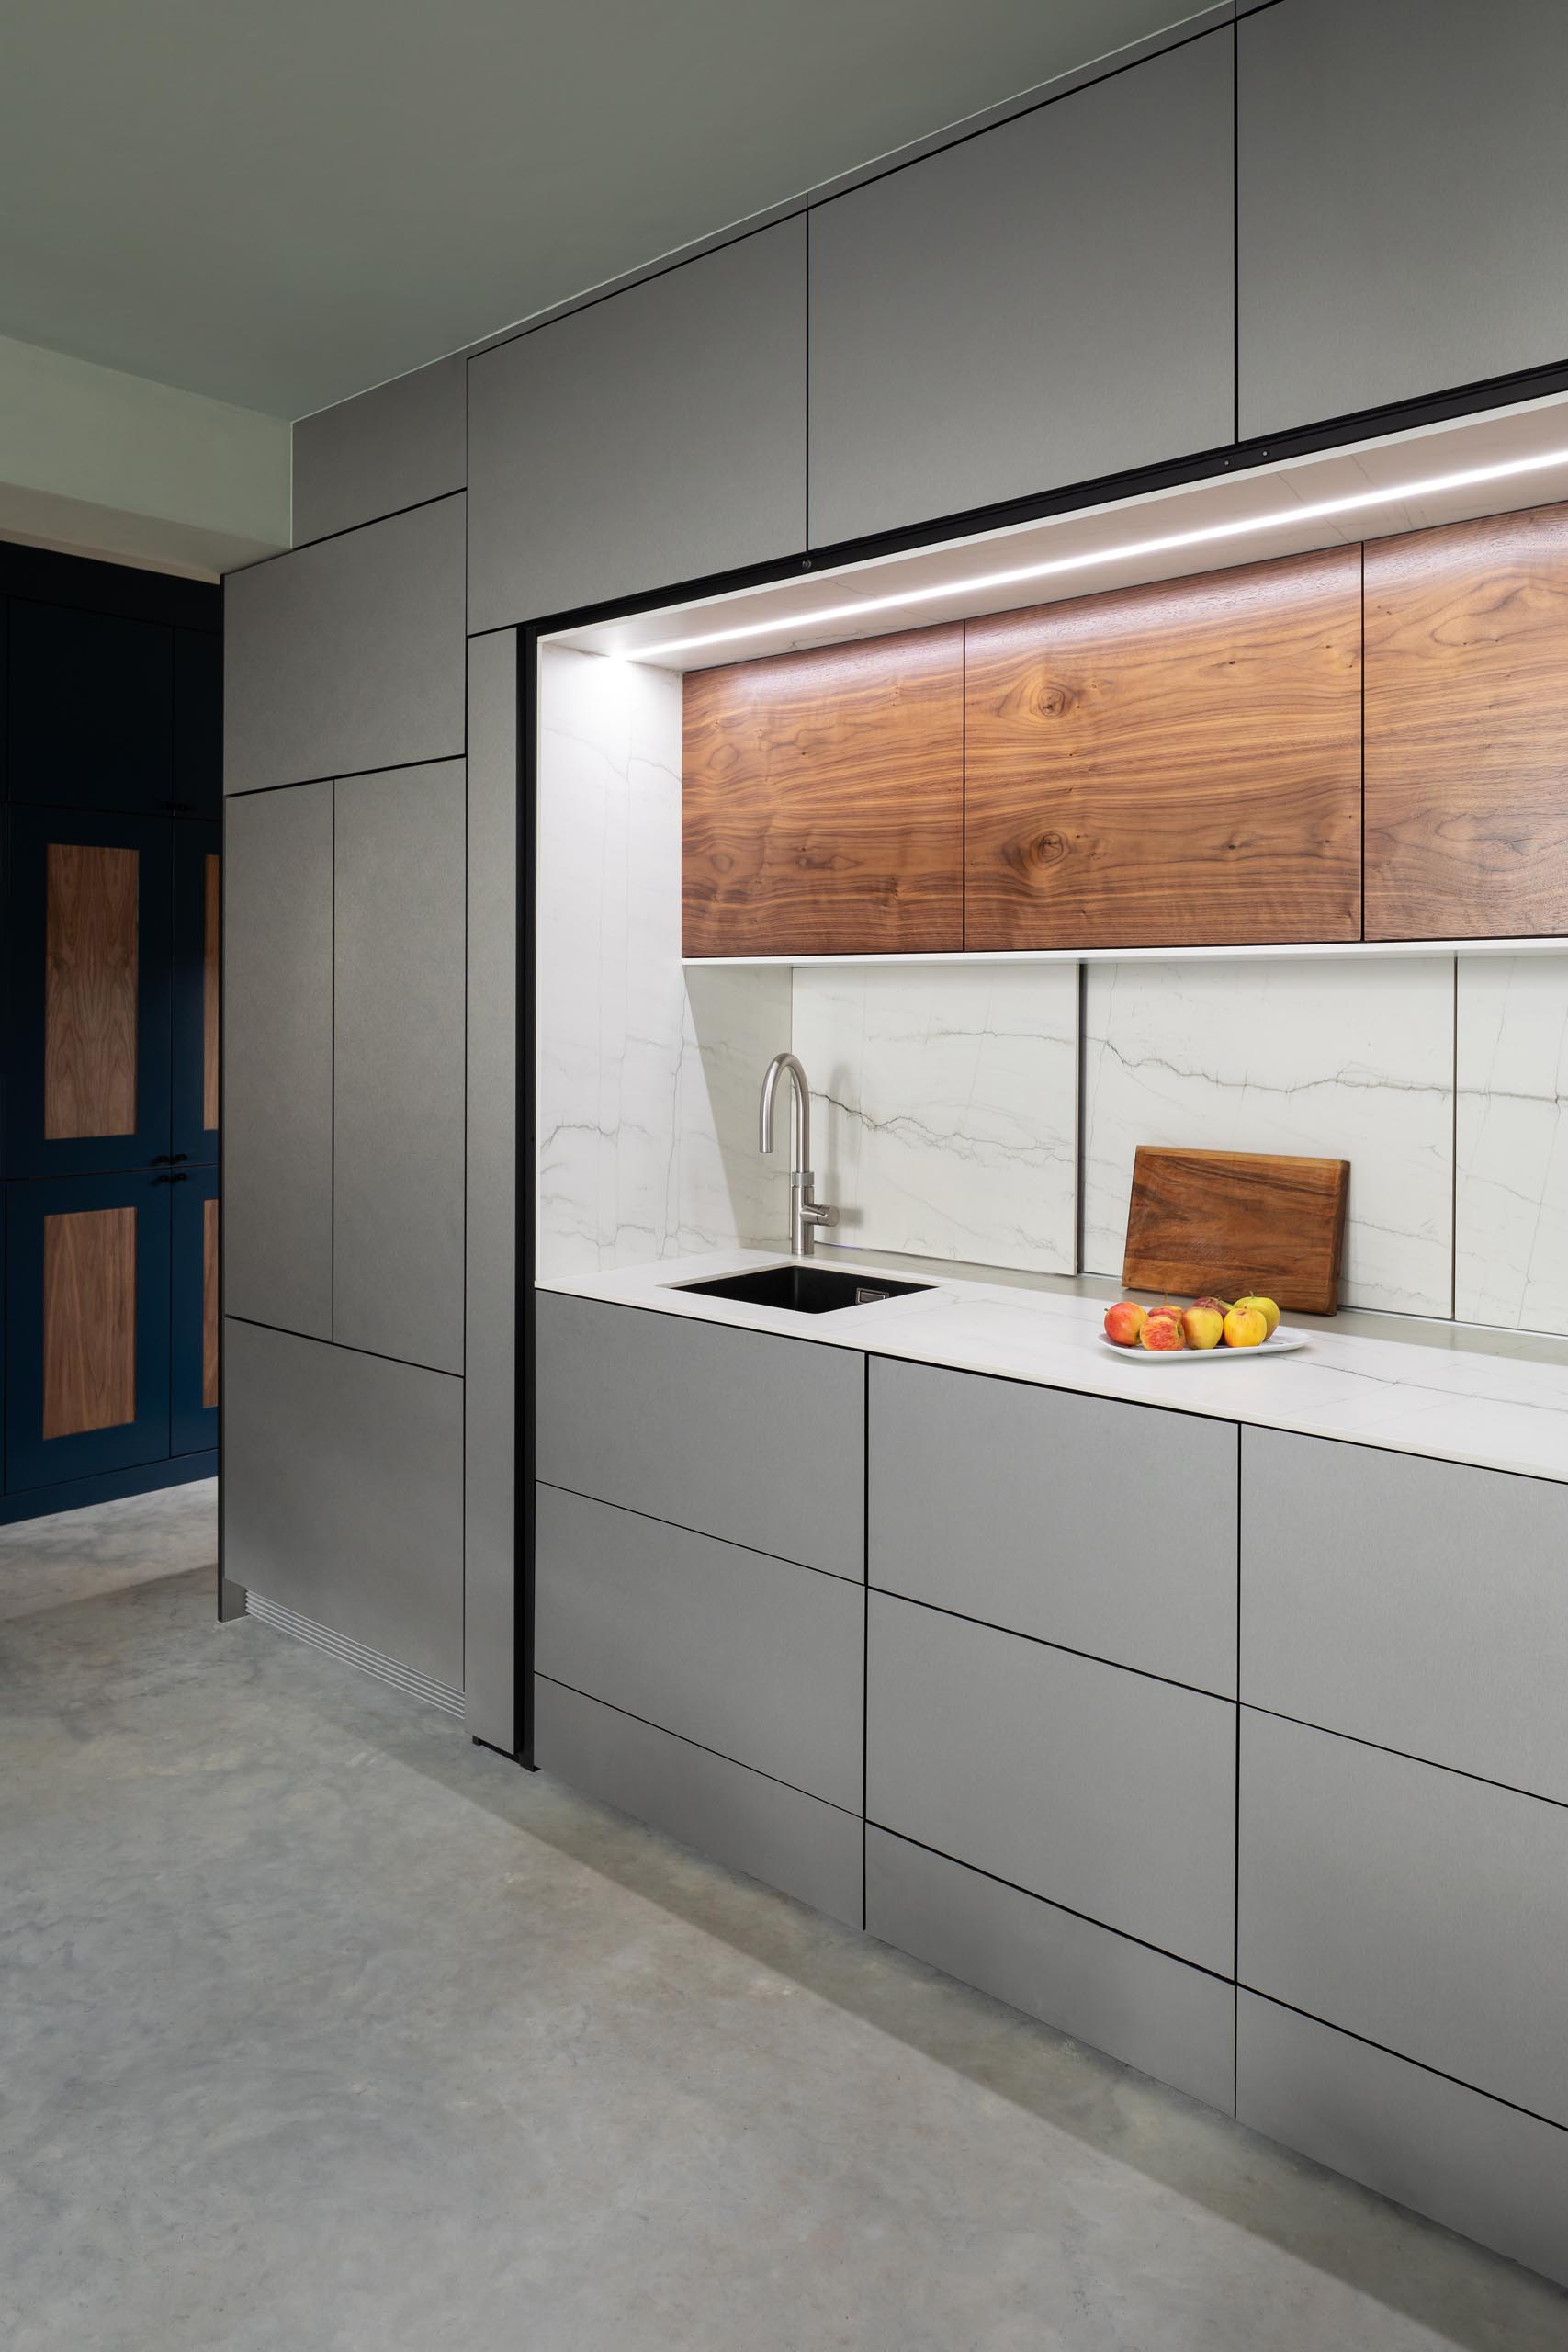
(463, 1347)
(1453, 1163)
(1080, 1122)
(1236, 1857)
(1361, 764)
(1235, 229)
(964, 785)
(806, 514)
(525, 704)
(332, 1092)
(866, 1629)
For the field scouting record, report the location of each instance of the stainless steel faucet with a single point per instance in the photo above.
(805, 1213)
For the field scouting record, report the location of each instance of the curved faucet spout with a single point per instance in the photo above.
(805, 1212)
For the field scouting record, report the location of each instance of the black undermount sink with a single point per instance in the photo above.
(805, 1290)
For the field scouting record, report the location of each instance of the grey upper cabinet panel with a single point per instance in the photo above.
(759, 1659)
(398, 1064)
(348, 655)
(1421, 1605)
(1048, 301)
(343, 1493)
(757, 1439)
(1418, 1908)
(1110, 1793)
(991, 1498)
(1402, 186)
(654, 436)
(277, 1059)
(395, 447)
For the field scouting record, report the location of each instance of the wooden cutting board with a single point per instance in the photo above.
(1236, 1221)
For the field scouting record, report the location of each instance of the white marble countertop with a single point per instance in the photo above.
(1498, 1411)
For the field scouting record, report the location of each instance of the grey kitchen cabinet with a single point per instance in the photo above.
(398, 1276)
(1417, 1907)
(755, 1657)
(347, 655)
(811, 1850)
(343, 1494)
(1473, 2163)
(1109, 1792)
(1403, 182)
(653, 437)
(397, 446)
(278, 1061)
(1046, 302)
(1006, 1502)
(1420, 1605)
(490, 1321)
(1174, 2021)
(733, 1433)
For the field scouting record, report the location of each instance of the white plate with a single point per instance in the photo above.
(1280, 1344)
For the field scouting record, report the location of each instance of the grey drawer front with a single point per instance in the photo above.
(1423, 1910)
(1108, 1792)
(343, 1493)
(1478, 2166)
(793, 1842)
(1419, 1604)
(347, 655)
(760, 1441)
(395, 447)
(755, 1657)
(654, 436)
(947, 370)
(1006, 1502)
(1175, 2022)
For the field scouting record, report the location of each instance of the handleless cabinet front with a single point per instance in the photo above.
(756, 1439)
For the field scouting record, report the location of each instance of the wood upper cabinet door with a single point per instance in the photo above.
(1467, 730)
(1170, 765)
(823, 803)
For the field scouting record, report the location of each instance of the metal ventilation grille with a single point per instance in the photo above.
(387, 1669)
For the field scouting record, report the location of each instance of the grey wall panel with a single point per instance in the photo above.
(757, 1439)
(1424, 1910)
(1480, 2167)
(277, 1059)
(489, 1504)
(809, 1850)
(395, 447)
(346, 655)
(343, 1493)
(1109, 1792)
(1046, 302)
(755, 1657)
(398, 1063)
(1403, 186)
(991, 1497)
(657, 435)
(1422, 1605)
(1175, 2022)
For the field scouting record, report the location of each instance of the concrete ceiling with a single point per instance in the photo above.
(279, 204)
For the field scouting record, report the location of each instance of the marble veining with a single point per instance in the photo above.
(646, 1074)
(945, 1103)
(1511, 1136)
(1324, 1058)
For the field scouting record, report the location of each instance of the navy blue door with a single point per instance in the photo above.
(193, 1311)
(89, 992)
(88, 1326)
(194, 986)
(92, 708)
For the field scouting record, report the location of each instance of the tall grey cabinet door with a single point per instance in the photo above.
(1048, 301)
(1403, 184)
(347, 655)
(398, 1062)
(277, 1060)
(395, 447)
(654, 436)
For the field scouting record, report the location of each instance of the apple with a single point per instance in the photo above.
(1124, 1321)
(1245, 1327)
(1202, 1326)
(1162, 1333)
(1264, 1306)
(1221, 1305)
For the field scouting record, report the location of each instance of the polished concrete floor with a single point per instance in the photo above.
(322, 2029)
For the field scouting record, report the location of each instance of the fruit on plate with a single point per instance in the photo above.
(1224, 1306)
(1202, 1325)
(1124, 1321)
(1162, 1333)
(1245, 1327)
(1264, 1306)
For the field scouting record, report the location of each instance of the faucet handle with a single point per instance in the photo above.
(818, 1213)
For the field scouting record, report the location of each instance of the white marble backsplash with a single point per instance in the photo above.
(1344, 1059)
(1511, 1139)
(944, 1107)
